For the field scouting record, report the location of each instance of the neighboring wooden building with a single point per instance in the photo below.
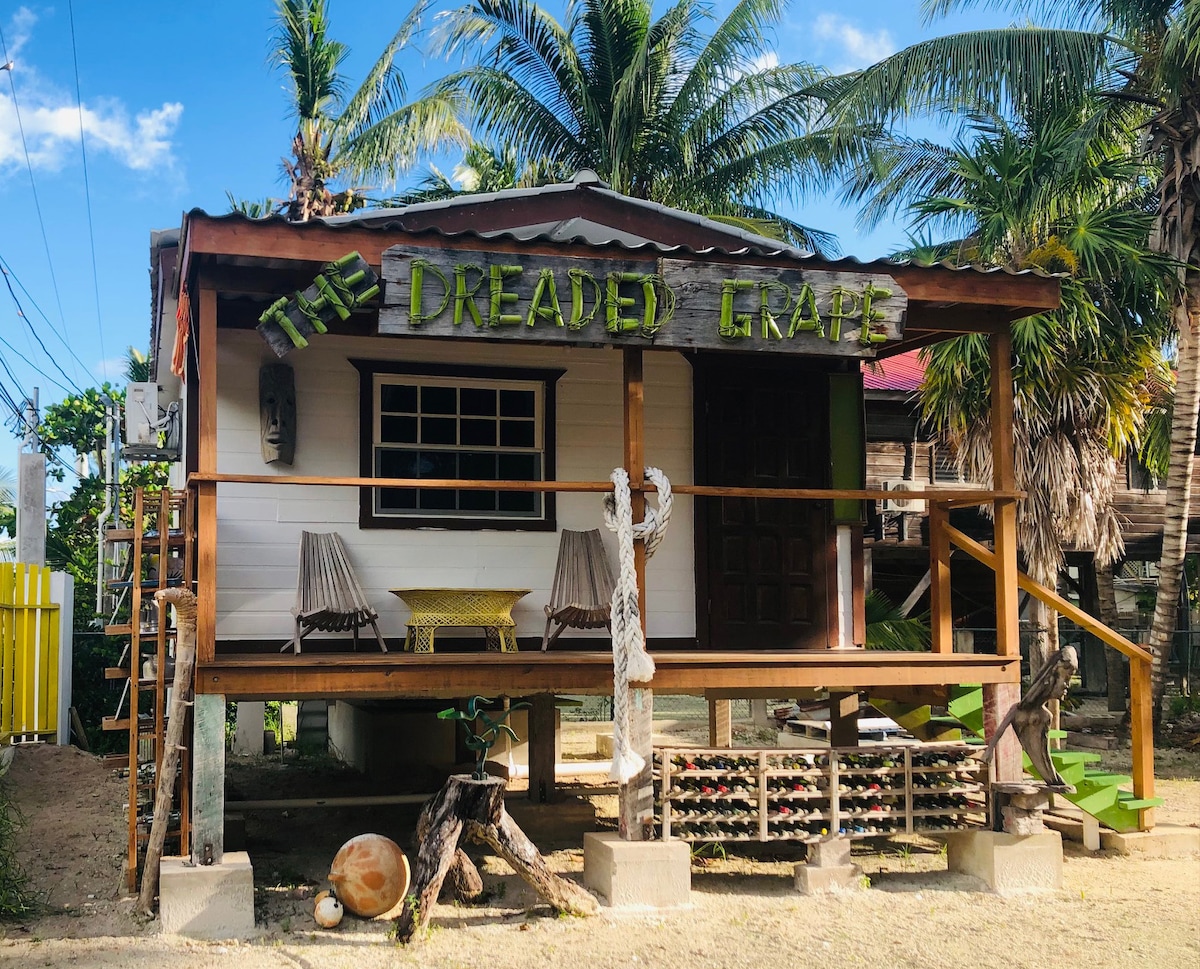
(755, 415)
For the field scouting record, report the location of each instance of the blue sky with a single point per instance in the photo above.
(178, 105)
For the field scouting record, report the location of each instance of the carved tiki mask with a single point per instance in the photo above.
(277, 413)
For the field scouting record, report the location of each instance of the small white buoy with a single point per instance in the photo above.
(328, 911)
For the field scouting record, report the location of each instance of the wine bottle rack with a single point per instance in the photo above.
(717, 794)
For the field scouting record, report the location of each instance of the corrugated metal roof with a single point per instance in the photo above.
(902, 372)
(589, 232)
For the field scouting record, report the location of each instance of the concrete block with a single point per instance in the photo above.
(1165, 841)
(1008, 864)
(207, 902)
(657, 874)
(813, 880)
(834, 853)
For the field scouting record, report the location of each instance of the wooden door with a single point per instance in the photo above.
(762, 561)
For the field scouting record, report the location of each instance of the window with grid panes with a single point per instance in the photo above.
(478, 427)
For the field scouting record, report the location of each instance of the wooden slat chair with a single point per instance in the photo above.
(581, 597)
(328, 596)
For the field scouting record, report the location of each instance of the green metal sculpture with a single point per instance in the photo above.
(492, 727)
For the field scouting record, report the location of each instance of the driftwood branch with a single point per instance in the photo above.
(185, 664)
(476, 808)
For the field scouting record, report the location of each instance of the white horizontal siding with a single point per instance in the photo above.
(259, 526)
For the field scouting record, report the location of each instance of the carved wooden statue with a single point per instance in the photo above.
(277, 413)
(1031, 717)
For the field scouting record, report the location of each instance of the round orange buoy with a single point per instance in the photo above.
(370, 874)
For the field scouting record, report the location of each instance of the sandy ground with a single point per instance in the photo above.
(1112, 911)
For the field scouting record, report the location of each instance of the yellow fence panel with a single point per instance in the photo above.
(29, 654)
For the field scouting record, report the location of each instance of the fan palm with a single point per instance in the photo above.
(372, 133)
(1062, 189)
(1139, 52)
(661, 109)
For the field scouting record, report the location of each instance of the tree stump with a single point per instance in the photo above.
(475, 808)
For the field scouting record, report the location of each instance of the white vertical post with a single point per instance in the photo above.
(62, 592)
(31, 509)
(845, 587)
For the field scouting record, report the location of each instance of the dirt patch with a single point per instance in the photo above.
(744, 912)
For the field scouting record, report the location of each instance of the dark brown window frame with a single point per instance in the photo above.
(369, 369)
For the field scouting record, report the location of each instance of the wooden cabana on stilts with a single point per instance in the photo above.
(616, 332)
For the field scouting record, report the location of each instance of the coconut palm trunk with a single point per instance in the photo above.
(1177, 134)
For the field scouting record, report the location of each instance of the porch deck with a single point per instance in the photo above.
(446, 675)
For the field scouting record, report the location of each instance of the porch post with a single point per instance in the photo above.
(206, 493)
(999, 697)
(636, 807)
(208, 779)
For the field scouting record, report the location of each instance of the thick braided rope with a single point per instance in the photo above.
(631, 662)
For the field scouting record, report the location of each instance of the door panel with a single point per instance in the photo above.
(766, 557)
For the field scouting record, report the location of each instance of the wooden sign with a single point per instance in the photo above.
(658, 303)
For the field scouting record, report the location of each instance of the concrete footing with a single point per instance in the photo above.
(1009, 864)
(828, 869)
(207, 902)
(1165, 841)
(657, 874)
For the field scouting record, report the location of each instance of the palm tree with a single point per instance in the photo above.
(483, 169)
(661, 109)
(1139, 52)
(373, 133)
(1062, 189)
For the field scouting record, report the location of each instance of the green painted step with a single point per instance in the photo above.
(1098, 792)
(918, 720)
(966, 706)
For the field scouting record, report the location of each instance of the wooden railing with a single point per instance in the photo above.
(1141, 728)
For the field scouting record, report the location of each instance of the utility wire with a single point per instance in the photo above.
(34, 367)
(21, 313)
(7, 269)
(87, 192)
(32, 182)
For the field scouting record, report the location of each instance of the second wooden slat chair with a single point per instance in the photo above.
(581, 596)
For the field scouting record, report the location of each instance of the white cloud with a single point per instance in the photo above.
(855, 47)
(765, 61)
(50, 120)
(111, 369)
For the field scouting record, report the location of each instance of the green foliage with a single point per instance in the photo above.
(370, 132)
(492, 729)
(681, 110)
(16, 898)
(887, 629)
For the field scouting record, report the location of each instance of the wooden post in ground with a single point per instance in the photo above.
(206, 493)
(636, 798)
(168, 768)
(542, 742)
(941, 619)
(720, 723)
(208, 779)
(843, 719)
(1141, 736)
(1000, 697)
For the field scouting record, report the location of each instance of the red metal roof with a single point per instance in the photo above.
(901, 372)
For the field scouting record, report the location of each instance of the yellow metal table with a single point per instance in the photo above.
(490, 609)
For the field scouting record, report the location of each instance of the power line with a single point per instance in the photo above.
(29, 323)
(32, 366)
(32, 182)
(87, 192)
(7, 269)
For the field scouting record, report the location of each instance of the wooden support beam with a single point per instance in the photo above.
(998, 699)
(208, 779)
(941, 619)
(636, 807)
(1008, 636)
(720, 722)
(843, 719)
(1141, 736)
(543, 737)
